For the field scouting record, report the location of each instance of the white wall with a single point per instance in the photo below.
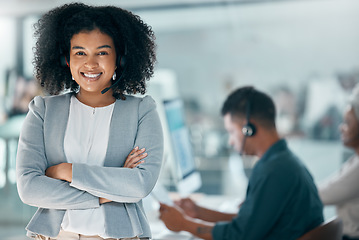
(216, 49)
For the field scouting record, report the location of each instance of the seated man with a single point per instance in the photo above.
(282, 201)
(342, 188)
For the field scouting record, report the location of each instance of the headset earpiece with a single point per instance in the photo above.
(63, 61)
(249, 130)
(121, 61)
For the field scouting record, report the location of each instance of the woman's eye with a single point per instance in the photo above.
(103, 53)
(80, 53)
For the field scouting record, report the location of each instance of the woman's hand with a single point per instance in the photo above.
(62, 171)
(135, 157)
(104, 200)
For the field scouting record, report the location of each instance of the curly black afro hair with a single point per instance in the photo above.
(132, 38)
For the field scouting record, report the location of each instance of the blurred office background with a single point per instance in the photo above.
(304, 53)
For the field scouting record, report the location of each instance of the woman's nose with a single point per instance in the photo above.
(91, 62)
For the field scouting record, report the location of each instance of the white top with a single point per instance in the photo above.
(342, 190)
(86, 141)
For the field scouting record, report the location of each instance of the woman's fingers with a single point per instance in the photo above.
(136, 154)
(133, 164)
(133, 151)
(135, 157)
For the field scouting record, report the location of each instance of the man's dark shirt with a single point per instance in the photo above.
(282, 201)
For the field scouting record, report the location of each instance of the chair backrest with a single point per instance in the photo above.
(330, 230)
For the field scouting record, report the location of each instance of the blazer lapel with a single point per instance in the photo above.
(57, 111)
(123, 128)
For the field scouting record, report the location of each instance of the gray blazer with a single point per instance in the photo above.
(135, 122)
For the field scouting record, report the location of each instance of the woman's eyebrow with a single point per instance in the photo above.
(100, 47)
(104, 46)
(77, 47)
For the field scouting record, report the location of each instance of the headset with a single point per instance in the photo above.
(248, 129)
(120, 62)
(63, 60)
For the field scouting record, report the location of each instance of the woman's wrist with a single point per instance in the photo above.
(68, 172)
(62, 171)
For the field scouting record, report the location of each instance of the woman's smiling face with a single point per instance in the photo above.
(92, 60)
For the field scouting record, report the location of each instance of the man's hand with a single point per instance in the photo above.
(173, 217)
(176, 220)
(62, 171)
(189, 207)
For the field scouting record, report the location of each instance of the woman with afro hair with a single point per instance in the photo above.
(81, 150)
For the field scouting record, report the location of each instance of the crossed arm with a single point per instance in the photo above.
(88, 182)
(63, 171)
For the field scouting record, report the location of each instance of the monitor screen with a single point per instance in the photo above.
(188, 177)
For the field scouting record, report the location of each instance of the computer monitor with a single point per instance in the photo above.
(188, 178)
(178, 153)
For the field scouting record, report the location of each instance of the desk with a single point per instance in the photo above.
(216, 202)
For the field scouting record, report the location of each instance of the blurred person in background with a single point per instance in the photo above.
(282, 200)
(342, 188)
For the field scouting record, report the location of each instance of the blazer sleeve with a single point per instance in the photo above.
(342, 186)
(34, 187)
(124, 184)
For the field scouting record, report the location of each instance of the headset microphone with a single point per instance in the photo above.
(242, 146)
(117, 82)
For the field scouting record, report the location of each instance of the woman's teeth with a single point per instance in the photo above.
(92, 75)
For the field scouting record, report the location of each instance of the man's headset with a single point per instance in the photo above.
(120, 62)
(248, 129)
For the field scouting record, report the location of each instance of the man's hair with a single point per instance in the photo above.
(131, 36)
(248, 100)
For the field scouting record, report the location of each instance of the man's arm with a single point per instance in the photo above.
(176, 220)
(210, 215)
(193, 210)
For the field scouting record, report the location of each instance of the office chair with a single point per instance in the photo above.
(330, 230)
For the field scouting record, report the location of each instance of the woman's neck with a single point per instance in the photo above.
(95, 99)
